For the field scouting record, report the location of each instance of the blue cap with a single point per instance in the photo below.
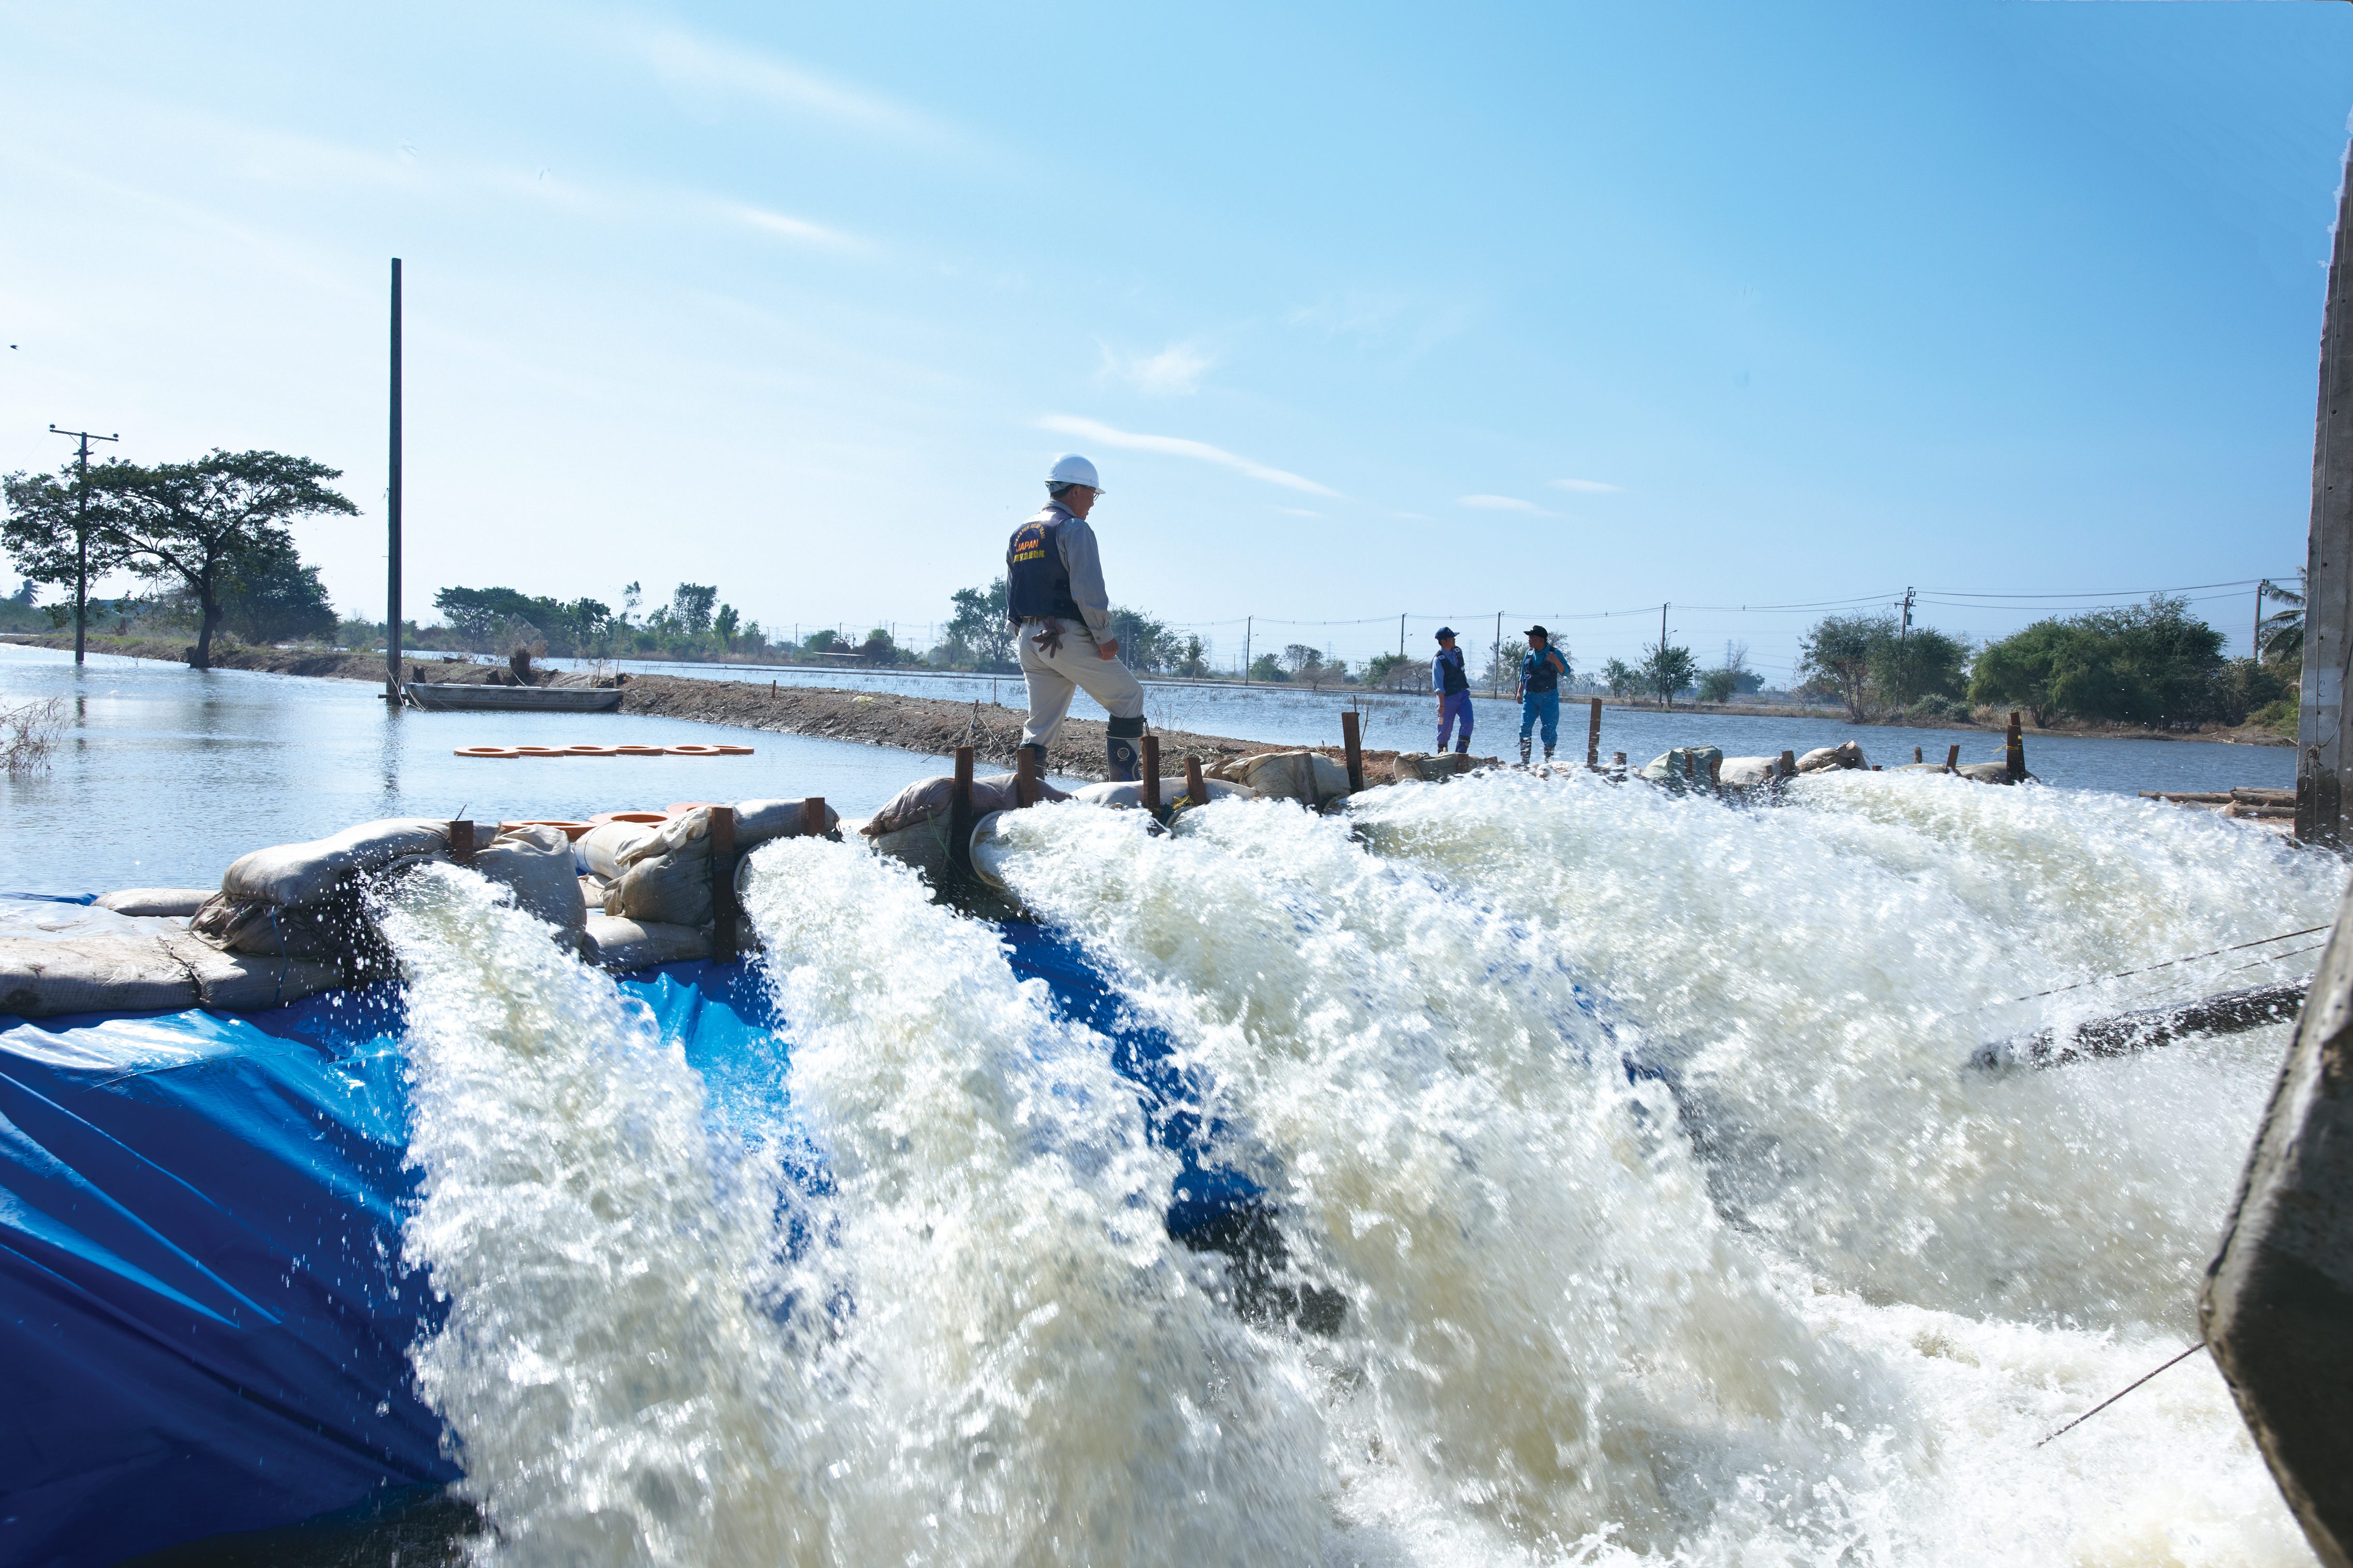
(1445, 631)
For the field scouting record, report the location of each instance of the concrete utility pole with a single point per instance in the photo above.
(392, 517)
(2321, 759)
(81, 535)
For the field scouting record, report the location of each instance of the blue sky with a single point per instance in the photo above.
(1362, 310)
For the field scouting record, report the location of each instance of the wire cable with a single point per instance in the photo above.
(2120, 1393)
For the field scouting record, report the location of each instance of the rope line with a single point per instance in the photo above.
(2120, 1393)
(2169, 963)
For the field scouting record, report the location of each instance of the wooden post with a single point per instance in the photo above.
(1917, 758)
(2323, 758)
(960, 813)
(1715, 773)
(461, 843)
(1196, 790)
(1953, 758)
(1789, 764)
(813, 817)
(1025, 777)
(392, 516)
(723, 884)
(1152, 774)
(1355, 748)
(2017, 752)
(1593, 735)
(1691, 765)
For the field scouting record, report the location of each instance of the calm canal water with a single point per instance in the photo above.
(167, 774)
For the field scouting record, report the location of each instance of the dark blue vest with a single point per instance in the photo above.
(1538, 672)
(1449, 670)
(1035, 581)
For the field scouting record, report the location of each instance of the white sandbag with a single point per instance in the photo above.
(1308, 777)
(330, 930)
(105, 973)
(1747, 772)
(1845, 754)
(1171, 791)
(154, 901)
(1988, 773)
(536, 862)
(1670, 765)
(1435, 767)
(249, 982)
(43, 920)
(757, 821)
(291, 874)
(927, 798)
(625, 944)
(598, 851)
(594, 891)
(924, 845)
(665, 878)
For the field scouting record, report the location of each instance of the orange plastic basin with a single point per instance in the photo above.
(680, 808)
(638, 752)
(589, 751)
(483, 752)
(539, 751)
(605, 816)
(695, 750)
(571, 829)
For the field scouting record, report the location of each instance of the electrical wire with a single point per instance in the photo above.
(2120, 1393)
(2190, 958)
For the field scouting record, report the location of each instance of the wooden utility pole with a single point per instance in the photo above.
(2321, 758)
(392, 516)
(81, 533)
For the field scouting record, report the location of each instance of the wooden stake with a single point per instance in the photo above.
(461, 843)
(723, 884)
(1196, 790)
(1917, 758)
(1789, 764)
(1152, 774)
(1356, 751)
(813, 817)
(1953, 759)
(960, 812)
(1593, 735)
(1025, 777)
(2017, 758)
(1715, 773)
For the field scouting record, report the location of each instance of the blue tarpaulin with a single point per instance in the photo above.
(204, 1317)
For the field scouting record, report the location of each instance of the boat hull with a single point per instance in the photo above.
(450, 697)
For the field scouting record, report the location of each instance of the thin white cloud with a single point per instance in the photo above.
(1177, 447)
(1501, 503)
(1175, 371)
(686, 61)
(795, 229)
(1587, 487)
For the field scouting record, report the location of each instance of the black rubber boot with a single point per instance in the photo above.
(1119, 749)
(1526, 746)
(1547, 753)
(1039, 752)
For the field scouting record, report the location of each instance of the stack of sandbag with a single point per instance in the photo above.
(656, 878)
(1845, 754)
(1683, 764)
(1172, 789)
(1423, 767)
(1747, 772)
(926, 799)
(307, 900)
(1310, 778)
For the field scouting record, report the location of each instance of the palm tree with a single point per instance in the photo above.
(2280, 635)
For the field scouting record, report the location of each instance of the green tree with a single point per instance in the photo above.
(195, 523)
(1503, 664)
(1718, 685)
(1620, 676)
(820, 640)
(276, 598)
(725, 624)
(1196, 662)
(879, 648)
(2149, 663)
(1266, 668)
(1874, 665)
(979, 627)
(44, 532)
(1144, 643)
(1667, 669)
(690, 606)
(2280, 635)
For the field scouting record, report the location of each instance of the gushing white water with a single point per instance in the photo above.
(1796, 1290)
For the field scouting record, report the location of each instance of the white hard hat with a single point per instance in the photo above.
(1069, 468)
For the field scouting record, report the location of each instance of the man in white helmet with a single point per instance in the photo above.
(1054, 592)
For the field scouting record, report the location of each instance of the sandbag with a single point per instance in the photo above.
(757, 821)
(597, 852)
(665, 878)
(923, 845)
(1747, 772)
(625, 944)
(1425, 767)
(1669, 766)
(1172, 789)
(927, 798)
(245, 983)
(335, 928)
(154, 901)
(1987, 773)
(1845, 754)
(291, 874)
(1308, 777)
(536, 863)
(104, 973)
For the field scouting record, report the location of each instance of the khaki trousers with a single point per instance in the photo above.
(1053, 677)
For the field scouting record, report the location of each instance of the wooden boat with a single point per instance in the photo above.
(2278, 1303)
(442, 697)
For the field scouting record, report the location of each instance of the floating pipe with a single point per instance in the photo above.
(2230, 1013)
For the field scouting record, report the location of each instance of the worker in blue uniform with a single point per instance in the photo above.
(1452, 684)
(1541, 672)
(1055, 595)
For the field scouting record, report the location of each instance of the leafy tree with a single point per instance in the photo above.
(1195, 661)
(1620, 676)
(879, 648)
(1503, 664)
(1718, 685)
(492, 620)
(979, 627)
(276, 598)
(1266, 668)
(1144, 643)
(1874, 665)
(2148, 664)
(690, 606)
(820, 640)
(726, 624)
(45, 532)
(1667, 669)
(2280, 635)
(199, 523)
